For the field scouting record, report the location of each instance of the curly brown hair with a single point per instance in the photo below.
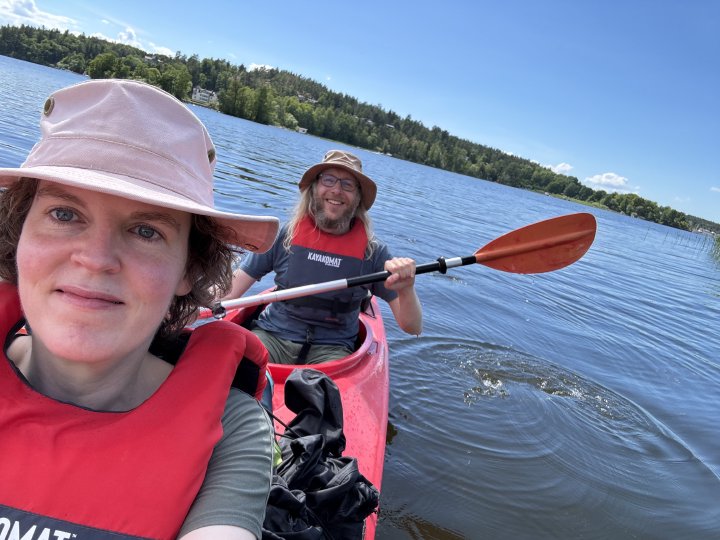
(208, 267)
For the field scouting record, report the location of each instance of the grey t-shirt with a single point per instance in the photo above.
(237, 483)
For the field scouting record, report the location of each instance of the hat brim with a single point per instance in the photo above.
(250, 232)
(367, 186)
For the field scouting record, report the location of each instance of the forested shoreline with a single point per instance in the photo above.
(281, 98)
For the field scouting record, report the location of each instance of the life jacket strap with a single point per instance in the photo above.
(302, 355)
(334, 306)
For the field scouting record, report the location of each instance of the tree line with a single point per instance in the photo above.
(282, 98)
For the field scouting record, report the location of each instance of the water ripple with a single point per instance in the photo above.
(547, 452)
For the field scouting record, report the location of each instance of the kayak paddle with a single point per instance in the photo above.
(541, 247)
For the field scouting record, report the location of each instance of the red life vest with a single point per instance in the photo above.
(71, 473)
(350, 244)
(316, 257)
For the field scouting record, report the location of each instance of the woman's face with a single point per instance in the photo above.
(97, 273)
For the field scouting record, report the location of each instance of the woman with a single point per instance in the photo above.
(110, 241)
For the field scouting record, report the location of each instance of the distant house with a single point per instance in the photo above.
(201, 95)
(306, 98)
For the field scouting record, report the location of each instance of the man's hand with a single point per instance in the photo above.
(403, 273)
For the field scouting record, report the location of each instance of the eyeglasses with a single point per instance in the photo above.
(328, 180)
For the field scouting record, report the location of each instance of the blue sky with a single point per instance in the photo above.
(623, 95)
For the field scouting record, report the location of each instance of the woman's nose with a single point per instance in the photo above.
(97, 250)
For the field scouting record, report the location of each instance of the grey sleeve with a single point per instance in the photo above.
(237, 483)
(381, 254)
(257, 265)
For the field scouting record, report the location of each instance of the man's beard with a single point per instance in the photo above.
(340, 225)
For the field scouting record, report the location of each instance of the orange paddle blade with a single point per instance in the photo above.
(541, 247)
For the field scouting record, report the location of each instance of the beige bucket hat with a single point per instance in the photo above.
(347, 161)
(132, 140)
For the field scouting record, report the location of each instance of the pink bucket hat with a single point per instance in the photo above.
(133, 140)
(342, 160)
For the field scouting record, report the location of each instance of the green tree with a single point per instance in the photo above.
(246, 103)
(436, 156)
(176, 80)
(102, 66)
(612, 201)
(73, 62)
(131, 66)
(571, 190)
(541, 177)
(50, 52)
(194, 67)
(264, 105)
(227, 97)
(585, 193)
(151, 75)
(556, 187)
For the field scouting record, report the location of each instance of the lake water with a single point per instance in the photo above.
(582, 403)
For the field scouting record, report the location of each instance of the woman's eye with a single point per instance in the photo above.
(146, 232)
(63, 214)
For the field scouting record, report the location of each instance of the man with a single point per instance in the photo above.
(329, 237)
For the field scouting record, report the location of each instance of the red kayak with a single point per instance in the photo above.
(364, 384)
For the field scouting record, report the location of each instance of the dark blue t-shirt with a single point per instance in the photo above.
(291, 323)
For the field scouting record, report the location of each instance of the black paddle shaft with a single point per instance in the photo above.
(441, 265)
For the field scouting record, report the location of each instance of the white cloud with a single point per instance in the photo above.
(715, 189)
(610, 181)
(160, 49)
(101, 36)
(129, 37)
(261, 67)
(17, 12)
(561, 168)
